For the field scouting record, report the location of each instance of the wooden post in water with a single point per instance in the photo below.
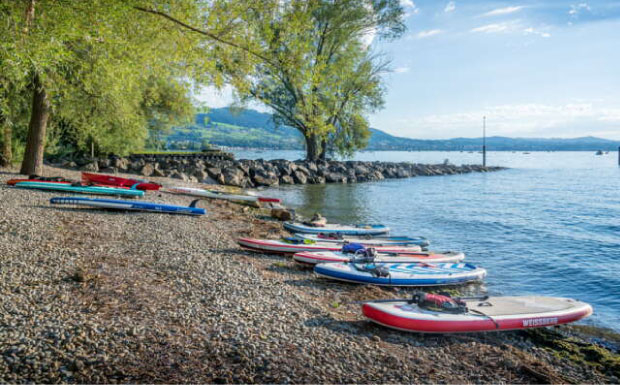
(484, 141)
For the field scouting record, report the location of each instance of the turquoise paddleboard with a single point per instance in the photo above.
(80, 189)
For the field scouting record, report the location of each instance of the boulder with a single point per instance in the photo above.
(92, 167)
(282, 214)
(334, 177)
(147, 169)
(287, 179)
(265, 179)
(200, 175)
(214, 172)
(284, 167)
(176, 174)
(361, 170)
(233, 176)
(104, 163)
(316, 179)
(120, 163)
(158, 171)
(299, 177)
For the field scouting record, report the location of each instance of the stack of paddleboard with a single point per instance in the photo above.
(99, 184)
(364, 254)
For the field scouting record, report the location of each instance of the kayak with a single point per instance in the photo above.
(130, 205)
(288, 247)
(486, 314)
(80, 189)
(402, 274)
(198, 192)
(366, 241)
(110, 180)
(361, 229)
(406, 257)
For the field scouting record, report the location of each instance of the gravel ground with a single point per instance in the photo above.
(91, 296)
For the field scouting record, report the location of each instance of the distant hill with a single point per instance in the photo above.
(250, 128)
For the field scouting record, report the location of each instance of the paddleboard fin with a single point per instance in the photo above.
(194, 202)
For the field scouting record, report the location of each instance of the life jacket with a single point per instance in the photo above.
(437, 302)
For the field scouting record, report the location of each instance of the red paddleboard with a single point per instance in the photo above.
(491, 314)
(13, 182)
(116, 181)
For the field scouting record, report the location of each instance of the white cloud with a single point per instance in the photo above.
(503, 11)
(428, 33)
(450, 7)
(575, 9)
(532, 31)
(410, 7)
(493, 28)
(401, 70)
(526, 120)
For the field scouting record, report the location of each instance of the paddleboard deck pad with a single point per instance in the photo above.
(96, 190)
(314, 257)
(401, 274)
(284, 247)
(130, 205)
(360, 229)
(490, 314)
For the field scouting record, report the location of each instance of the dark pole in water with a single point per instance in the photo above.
(484, 141)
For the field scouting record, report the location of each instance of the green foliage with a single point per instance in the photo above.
(317, 73)
(112, 71)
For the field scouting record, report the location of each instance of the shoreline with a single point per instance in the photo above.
(93, 296)
(249, 173)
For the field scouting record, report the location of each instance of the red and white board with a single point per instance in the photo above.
(396, 255)
(492, 314)
(283, 247)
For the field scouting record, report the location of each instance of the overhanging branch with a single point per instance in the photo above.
(208, 34)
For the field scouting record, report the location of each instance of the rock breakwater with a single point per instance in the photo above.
(255, 173)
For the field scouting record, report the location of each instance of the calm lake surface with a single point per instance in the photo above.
(549, 225)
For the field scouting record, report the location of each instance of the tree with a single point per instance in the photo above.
(90, 67)
(314, 68)
(321, 78)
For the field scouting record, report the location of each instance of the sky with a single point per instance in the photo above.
(533, 68)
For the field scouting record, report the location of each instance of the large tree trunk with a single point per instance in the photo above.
(7, 151)
(35, 144)
(323, 155)
(312, 147)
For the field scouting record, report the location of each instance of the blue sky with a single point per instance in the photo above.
(533, 68)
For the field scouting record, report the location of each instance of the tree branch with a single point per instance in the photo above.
(208, 34)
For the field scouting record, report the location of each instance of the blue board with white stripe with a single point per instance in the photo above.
(130, 205)
(403, 274)
(359, 229)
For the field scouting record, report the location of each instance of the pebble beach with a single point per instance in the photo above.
(91, 296)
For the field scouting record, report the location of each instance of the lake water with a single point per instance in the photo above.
(549, 225)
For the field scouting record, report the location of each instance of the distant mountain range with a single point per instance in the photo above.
(250, 128)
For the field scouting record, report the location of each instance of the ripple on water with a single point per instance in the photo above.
(537, 230)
